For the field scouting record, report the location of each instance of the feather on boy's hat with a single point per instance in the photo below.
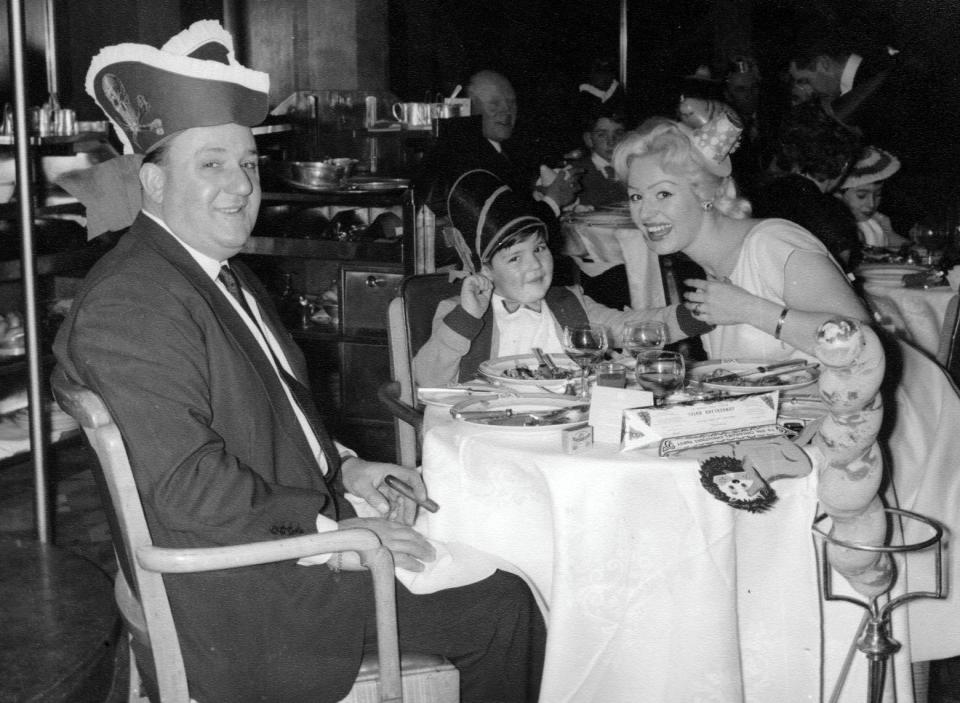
(194, 80)
(873, 166)
(485, 210)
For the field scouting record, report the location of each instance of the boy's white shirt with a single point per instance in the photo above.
(520, 331)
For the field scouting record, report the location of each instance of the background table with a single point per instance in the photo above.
(656, 590)
(915, 314)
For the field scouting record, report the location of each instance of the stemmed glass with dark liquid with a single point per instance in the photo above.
(660, 372)
(585, 344)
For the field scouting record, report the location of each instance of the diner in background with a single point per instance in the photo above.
(769, 284)
(862, 191)
(226, 445)
(508, 305)
(602, 129)
(814, 153)
(484, 143)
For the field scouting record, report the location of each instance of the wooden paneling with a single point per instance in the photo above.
(317, 44)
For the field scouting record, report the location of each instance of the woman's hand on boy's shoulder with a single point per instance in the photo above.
(475, 294)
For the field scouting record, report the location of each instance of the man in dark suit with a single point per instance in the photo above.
(876, 92)
(481, 142)
(208, 390)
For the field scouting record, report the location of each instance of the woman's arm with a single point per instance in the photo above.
(814, 290)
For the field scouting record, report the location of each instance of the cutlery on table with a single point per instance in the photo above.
(548, 363)
(778, 368)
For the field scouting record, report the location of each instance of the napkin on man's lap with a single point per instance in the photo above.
(456, 564)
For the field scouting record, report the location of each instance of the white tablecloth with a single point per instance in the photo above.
(915, 314)
(656, 591)
(922, 418)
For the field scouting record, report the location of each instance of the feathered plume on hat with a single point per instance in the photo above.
(194, 80)
(150, 94)
(714, 130)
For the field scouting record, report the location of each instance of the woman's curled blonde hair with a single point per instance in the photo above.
(677, 155)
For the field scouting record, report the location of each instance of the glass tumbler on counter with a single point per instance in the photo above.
(660, 372)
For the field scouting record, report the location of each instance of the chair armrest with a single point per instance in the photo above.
(181, 561)
(389, 395)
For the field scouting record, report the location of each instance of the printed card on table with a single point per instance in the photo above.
(606, 410)
(673, 428)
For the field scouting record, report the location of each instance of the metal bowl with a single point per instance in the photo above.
(317, 175)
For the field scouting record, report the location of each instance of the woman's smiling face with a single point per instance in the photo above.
(663, 205)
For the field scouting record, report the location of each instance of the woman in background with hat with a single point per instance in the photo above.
(770, 283)
(862, 191)
(507, 305)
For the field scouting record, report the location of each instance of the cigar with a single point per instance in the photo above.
(406, 490)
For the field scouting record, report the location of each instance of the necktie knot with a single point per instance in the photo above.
(611, 174)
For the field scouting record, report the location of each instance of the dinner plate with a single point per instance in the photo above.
(787, 381)
(887, 274)
(448, 397)
(517, 422)
(496, 370)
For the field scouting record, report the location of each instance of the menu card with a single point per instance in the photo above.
(673, 428)
(606, 410)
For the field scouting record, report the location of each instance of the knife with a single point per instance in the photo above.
(787, 366)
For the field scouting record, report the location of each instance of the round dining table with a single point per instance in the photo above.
(653, 588)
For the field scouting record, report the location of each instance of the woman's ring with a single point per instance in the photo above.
(696, 309)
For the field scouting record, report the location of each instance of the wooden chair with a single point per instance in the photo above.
(410, 323)
(142, 599)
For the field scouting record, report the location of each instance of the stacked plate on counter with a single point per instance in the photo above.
(887, 274)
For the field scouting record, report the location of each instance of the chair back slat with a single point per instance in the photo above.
(124, 502)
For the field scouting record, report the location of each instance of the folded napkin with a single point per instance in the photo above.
(455, 565)
(110, 192)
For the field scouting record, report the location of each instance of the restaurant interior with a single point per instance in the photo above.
(689, 595)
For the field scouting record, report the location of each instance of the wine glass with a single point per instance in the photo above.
(584, 344)
(640, 336)
(660, 372)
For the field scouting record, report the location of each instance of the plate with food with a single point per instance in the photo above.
(544, 412)
(887, 274)
(739, 376)
(450, 396)
(524, 372)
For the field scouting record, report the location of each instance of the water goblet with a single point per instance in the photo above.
(640, 336)
(660, 372)
(585, 344)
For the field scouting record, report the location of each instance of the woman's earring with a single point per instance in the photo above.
(708, 205)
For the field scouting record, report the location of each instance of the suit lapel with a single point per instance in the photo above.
(236, 329)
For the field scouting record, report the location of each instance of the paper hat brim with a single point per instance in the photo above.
(485, 211)
(875, 165)
(150, 94)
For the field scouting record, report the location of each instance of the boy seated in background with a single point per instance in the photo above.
(862, 191)
(604, 281)
(508, 306)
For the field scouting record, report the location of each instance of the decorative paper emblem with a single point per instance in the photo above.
(725, 479)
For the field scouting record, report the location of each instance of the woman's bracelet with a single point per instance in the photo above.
(783, 317)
